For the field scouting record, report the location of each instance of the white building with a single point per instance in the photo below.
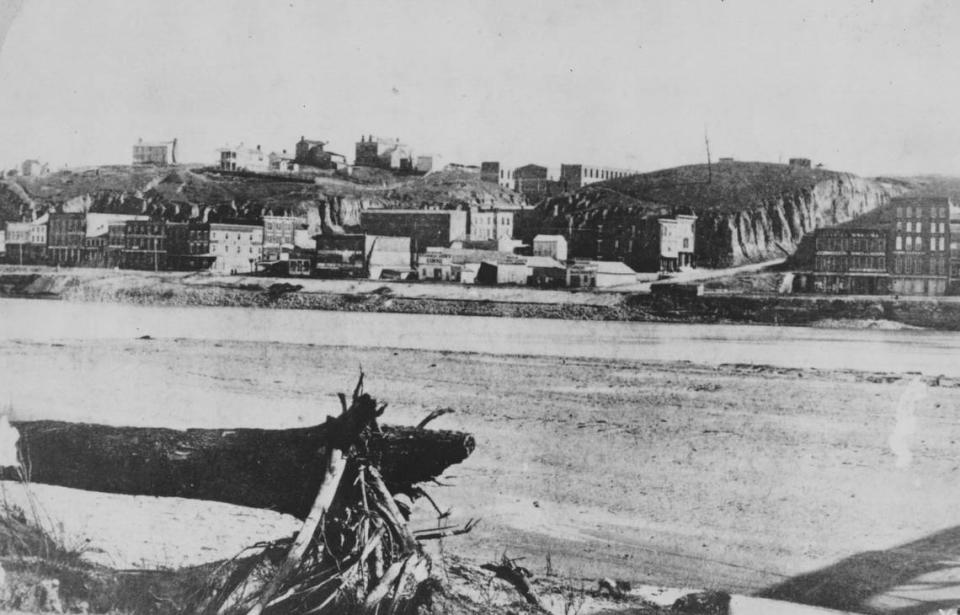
(237, 247)
(388, 254)
(554, 246)
(492, 225)
(677, 242)
(242, 158)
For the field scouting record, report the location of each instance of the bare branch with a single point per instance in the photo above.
(433, 415)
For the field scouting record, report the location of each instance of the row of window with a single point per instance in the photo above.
(603, 173)
(854, 262)
(911, 243)
(917, 266)
(851, 244)
(920, 212)
(915, 227)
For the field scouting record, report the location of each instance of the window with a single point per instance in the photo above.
(909, 242)
(942, 243)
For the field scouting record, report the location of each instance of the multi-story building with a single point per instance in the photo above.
(38, 233)
(920, 254)
(100, 247)
(279, 233)
(553, 246)
(341, 256)
(490, 225)
(242, 158)
(27, 241)
(17, 237)
(65, 238)
(220, 247)
(851, 260)
(145, 245)
(575, 176)
(425, 228)
(953, 287)
(677, 236)
(159, 152)
(384, 154)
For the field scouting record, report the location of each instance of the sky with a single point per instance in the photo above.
(869, 87)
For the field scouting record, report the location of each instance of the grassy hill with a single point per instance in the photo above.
(184, 192)
(723, 187)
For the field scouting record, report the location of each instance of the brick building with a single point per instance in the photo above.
(425, 228)
(311, 152)
(534, 182)
(920, 253)
(341, 256)
(279, 233)
(65, 238)
(101, 247)
(144, 245)
(220, 247)
(851, 261)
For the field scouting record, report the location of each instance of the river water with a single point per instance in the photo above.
(929, 352)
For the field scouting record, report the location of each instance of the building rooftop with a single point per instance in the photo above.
(614, 268)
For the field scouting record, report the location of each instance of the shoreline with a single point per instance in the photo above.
(169, 289)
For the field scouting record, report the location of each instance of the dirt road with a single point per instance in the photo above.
(734, 477)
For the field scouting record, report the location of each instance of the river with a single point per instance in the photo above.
(871, 350)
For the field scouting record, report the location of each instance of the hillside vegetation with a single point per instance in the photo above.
(747, 211)
(188, 192)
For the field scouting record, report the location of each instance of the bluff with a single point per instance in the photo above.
(188, 192)
(746, 211)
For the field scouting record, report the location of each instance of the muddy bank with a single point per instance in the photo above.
(130, 288)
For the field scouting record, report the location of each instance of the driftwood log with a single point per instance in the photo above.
(274, 469)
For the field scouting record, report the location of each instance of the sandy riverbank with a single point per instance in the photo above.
(736, 477)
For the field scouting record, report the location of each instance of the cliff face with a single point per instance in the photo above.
(746, 212)
(774, 227)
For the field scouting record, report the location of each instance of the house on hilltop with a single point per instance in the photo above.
(311, 153)
(159, 153)
(241, 158)
(384, 154)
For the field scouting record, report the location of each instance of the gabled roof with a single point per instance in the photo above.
(545, 262)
